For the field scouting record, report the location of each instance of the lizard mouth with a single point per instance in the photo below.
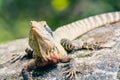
(54, 58)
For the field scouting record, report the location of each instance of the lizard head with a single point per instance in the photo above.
(42, 42)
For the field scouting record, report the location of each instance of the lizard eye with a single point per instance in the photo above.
(53, 49)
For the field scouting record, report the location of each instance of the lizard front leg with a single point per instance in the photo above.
(31, 65)
(76, 66)
(72, 69)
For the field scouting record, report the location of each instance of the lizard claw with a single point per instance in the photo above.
(16, 57)
(75, 67)
(72, 71)
(93, 46)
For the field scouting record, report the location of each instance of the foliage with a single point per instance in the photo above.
(15, 15)
(60, 4)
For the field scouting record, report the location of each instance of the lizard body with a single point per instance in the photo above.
(80, 27)
(46, 44)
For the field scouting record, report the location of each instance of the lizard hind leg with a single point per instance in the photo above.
(80, 44)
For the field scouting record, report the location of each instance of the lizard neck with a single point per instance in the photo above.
(60, 48)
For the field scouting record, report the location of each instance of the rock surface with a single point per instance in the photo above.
(102, 64)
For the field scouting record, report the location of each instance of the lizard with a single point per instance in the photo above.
(46, 44)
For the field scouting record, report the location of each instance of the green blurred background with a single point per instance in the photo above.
(15, 15)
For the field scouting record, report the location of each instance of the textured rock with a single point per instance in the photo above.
(100, 64)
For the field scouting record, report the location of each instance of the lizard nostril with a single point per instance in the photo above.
(44, 25)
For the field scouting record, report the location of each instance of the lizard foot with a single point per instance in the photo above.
(95, 45)
(72, 71)
(76, 66)
(19, 56)
(16, 57)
